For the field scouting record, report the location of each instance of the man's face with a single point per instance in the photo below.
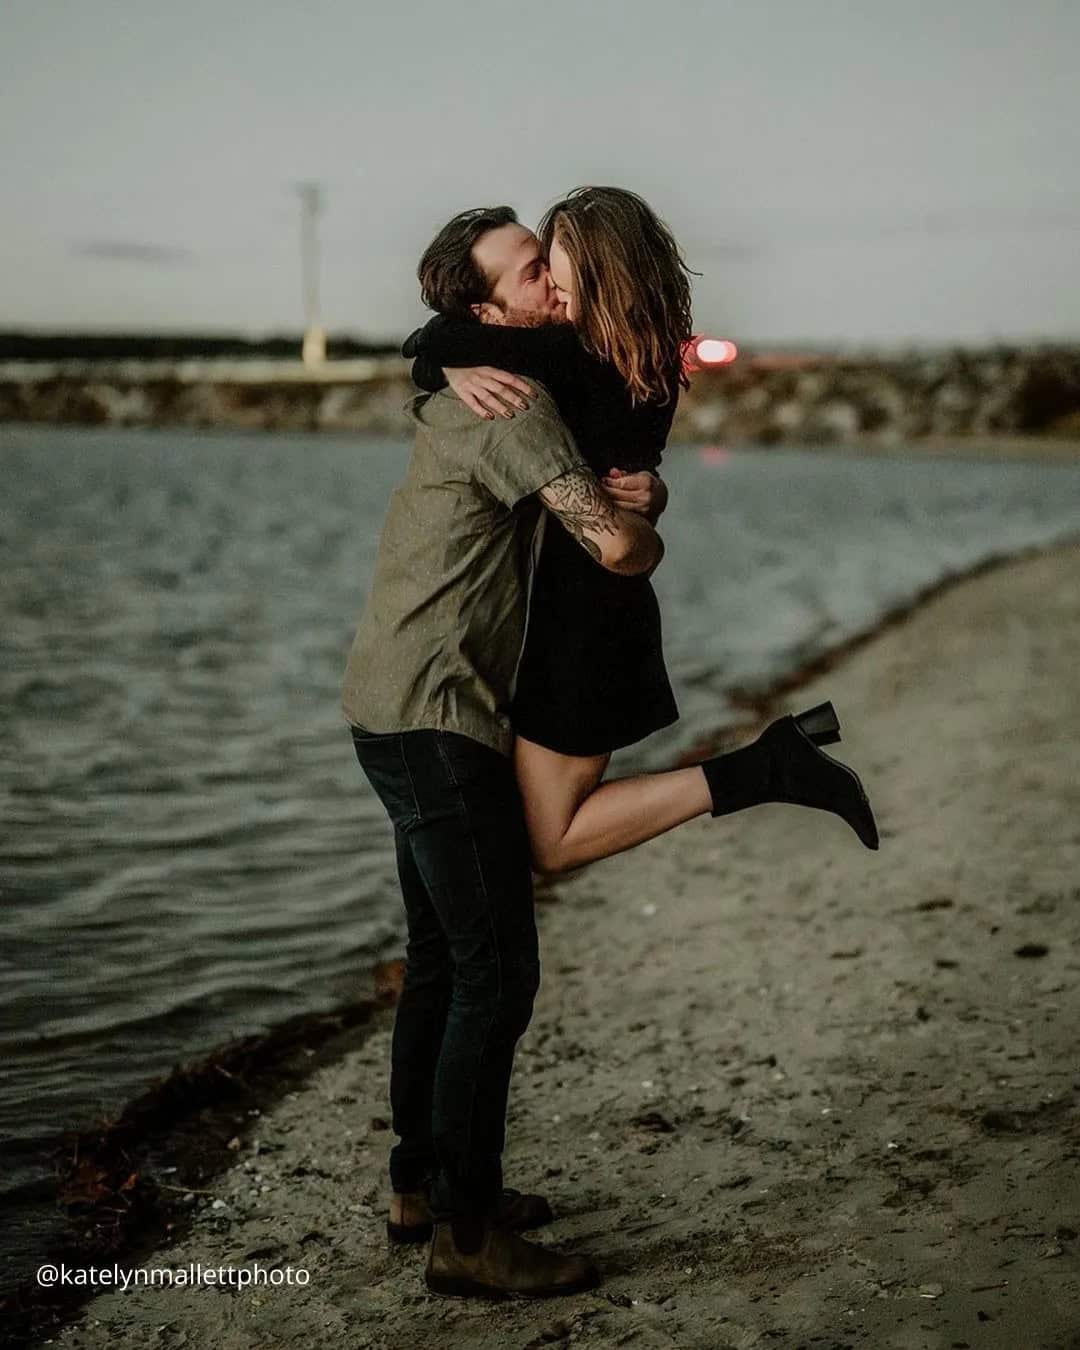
(522, 295)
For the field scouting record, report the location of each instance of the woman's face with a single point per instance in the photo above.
(562, 276)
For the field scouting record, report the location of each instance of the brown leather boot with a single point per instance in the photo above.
(410, 1217)
(491, 1261)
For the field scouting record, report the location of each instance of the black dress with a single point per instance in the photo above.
(592, 676)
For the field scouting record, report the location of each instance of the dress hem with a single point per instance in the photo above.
(590, 750)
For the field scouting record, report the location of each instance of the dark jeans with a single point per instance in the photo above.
(472, 966)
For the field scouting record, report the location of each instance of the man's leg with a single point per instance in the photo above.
(420, 1018)
(470, 846)
(419, 1024)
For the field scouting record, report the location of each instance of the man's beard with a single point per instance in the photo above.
(529, 318)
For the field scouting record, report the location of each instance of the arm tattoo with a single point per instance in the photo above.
(583, 507)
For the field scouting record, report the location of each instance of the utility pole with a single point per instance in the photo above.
(311, 201)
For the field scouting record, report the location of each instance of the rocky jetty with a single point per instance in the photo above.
(886, 400)
(764, 398)
(360, 395)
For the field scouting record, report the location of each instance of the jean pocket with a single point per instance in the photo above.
(382, 759)
(470, 764)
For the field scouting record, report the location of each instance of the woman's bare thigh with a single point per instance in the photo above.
(552, 787)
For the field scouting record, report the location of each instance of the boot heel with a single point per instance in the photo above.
(820, 724)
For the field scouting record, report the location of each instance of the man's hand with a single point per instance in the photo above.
(487, 391)
(645, 492)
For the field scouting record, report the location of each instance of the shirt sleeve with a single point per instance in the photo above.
(427, 374)
(535, 448)
(551, 353)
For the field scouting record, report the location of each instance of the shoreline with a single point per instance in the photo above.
(990, 448)
(160, 1216)
(110, 1176)
(762, 705)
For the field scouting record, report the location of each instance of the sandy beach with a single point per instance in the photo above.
(787, 1092)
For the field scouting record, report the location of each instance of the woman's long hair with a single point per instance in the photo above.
(632, 286)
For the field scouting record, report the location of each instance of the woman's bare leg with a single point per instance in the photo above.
(573, 818)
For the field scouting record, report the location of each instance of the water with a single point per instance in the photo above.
(189, 851)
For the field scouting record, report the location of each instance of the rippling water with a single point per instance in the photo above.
(189, 851)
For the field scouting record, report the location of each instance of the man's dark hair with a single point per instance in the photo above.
(450, 280)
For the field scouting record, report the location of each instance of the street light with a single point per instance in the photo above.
(311, 201)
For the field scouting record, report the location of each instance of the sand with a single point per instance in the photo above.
(787, 1092)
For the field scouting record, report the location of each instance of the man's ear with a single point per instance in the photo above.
(486, 312)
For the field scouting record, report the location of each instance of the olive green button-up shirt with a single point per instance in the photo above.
(441, 635)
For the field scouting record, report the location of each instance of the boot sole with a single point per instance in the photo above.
(457, 1286)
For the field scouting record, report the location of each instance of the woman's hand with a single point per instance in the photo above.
(644, 492)
(487, 391)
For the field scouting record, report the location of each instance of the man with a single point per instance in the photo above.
(429, 680)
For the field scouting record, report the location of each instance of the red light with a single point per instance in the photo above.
(706, 353)
(715, 351)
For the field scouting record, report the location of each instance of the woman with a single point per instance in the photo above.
(592, 677)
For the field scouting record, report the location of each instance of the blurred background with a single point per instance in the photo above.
(844, 173)
(883, 204)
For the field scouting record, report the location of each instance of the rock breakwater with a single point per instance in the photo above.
(767, 399)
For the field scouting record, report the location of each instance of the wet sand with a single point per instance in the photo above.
(784, 1090)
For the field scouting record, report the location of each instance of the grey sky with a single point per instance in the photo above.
(837, 170)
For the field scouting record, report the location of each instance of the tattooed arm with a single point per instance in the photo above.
(618, 540)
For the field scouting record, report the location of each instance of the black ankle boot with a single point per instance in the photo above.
(785, 764)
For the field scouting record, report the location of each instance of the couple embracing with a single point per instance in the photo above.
(511, 641)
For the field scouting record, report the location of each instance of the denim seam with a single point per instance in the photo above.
(487, 903)
(417, 814)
